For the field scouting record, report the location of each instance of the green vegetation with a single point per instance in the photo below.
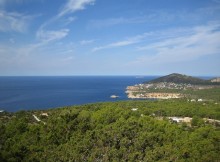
(180, 78)
(205, 94)
(112, 132)
(177, 86)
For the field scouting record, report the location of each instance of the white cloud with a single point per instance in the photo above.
(203, 41)
(160, 17)
(114, 45)
(69, 7)
(110, 22)
(166, 38)
(126, 42)
(35, 55)
(67, 59)
(12, 21)
(69, 20)
(74, 5)
(52, 35)
(86, 42)
(155, 17)
(45, 38)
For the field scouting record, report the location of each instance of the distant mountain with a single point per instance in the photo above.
(180, 78)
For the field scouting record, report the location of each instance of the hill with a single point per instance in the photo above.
(176, 86)
(180, 78)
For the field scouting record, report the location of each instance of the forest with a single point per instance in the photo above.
(113, 131)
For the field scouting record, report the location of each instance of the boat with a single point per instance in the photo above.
(114, 96)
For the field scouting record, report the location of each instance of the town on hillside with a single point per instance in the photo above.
(171, 86)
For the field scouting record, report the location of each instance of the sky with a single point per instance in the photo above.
(109, 37)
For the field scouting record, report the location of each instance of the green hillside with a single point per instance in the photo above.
(117, 131)
(180, 78)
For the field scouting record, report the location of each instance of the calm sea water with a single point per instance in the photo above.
(27, 93)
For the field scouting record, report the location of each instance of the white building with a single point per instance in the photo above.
(134, 109)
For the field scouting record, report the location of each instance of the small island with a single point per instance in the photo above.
(173, 86)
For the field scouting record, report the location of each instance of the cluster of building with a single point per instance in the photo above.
(168, 85)
(177, 119)
(152, 90)
(216, 80)
(133, 95)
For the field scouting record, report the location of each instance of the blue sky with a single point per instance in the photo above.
(109, 37)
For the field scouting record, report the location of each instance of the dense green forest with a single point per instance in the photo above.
(114, 131)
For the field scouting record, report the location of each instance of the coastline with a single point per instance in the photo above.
(32, 93)
(153, 95)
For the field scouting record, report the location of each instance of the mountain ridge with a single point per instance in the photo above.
(181, 78)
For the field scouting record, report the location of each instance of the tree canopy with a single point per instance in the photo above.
(111, 132)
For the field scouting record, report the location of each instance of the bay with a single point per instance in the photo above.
(37, 92)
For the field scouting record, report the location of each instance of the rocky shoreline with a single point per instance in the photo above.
(155, 95)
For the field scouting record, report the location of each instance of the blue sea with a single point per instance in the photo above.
(31, 93)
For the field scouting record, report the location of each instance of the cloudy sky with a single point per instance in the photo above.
(109, 37)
